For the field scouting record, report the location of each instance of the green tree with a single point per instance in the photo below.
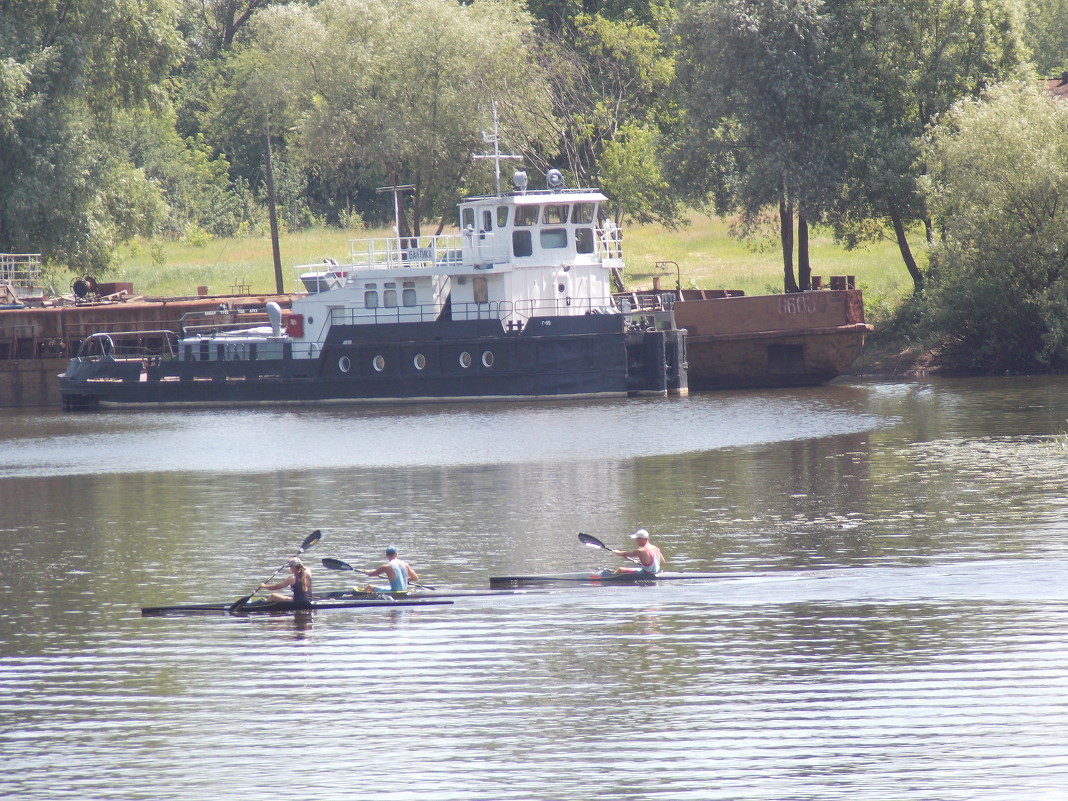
(764, 105)
(194, 188)
(68, 72)
(215, 110)
(611, 73)
(1046, 34)
(998, 185)
(909, 62)
(396, 102)
(216, 23)
(231, 106)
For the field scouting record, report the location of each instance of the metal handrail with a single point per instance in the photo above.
(128, 345)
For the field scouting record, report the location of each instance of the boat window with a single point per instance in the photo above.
(487, 220)
(480, 288)
(553, 238)
(526, 215)
(370, 299)
(522, 243)
(502, 216)
(408, 297)
(344, 364)
(584, 240)
(379, 363)
(583, 214)
(419, 361)
(555, 214)
(389, 298)
(467, 219)
(465, 359)
(487, 358)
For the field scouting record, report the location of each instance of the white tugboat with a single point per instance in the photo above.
(518, 305)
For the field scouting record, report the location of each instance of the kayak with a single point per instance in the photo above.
(599, 577)
(275, 607)
(416, 594)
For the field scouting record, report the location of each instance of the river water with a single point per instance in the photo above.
(894, 624)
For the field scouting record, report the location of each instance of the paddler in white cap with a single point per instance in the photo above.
(400, 573)
(652, 561)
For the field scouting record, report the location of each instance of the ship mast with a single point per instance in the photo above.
(495, 139)
(397, 190)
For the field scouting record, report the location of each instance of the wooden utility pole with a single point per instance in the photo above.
(279, 284)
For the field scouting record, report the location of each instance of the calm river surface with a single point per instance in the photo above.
(897, 628)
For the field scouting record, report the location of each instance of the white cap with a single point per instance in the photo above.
(640, 534)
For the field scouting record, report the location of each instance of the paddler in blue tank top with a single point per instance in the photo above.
(399, 573)
(299, 579)
(652, 561)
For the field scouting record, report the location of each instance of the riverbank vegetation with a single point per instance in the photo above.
(135, 138)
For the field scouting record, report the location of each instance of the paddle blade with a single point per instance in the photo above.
(336, 564)
(592, 542)
(310, 540)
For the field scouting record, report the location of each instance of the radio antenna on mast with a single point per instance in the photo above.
(397, 192)
(496, 155)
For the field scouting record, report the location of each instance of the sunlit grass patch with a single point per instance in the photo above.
(707, 256)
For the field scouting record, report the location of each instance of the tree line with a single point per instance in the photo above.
(127, 118)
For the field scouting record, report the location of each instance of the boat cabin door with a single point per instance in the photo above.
(478, 223)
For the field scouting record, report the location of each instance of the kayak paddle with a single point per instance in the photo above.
(592, 542)
(309, 541)
(337, 564)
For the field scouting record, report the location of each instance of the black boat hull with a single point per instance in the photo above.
(287, 607)
(583, 357)
(601, 577)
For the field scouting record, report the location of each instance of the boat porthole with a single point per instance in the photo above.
(419, 361)
(344, 364)
(487, 358)
(379, 363)
(465, 359)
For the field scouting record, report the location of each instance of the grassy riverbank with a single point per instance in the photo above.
(707, 257)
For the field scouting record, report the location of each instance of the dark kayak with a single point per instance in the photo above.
(599, 577)
(262, 607)
(413, 594)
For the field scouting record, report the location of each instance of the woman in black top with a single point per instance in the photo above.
(299, 579)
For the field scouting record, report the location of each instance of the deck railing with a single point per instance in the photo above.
(20, 269)
(518, 311)
(406, 251)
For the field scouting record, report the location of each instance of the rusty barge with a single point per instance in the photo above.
(738, 341)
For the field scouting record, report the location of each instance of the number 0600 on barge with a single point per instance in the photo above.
(518, 305)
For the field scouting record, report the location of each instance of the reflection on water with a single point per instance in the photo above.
(892, 627)
(266, 440)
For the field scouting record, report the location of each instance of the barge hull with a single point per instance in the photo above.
(761, 341)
